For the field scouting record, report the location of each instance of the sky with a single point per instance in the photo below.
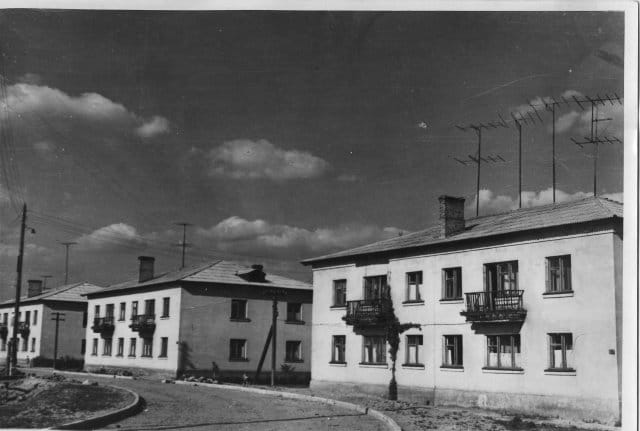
(283, 135)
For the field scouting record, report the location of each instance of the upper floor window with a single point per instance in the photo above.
(414, 350)
(452, 283)
(134, 309)
(374, 350)
(150, 307)
(96, 311)
(294, 312)
(35, 317)
(27, 317)
(339, 293)
(414, 285)
(452, 351)
(238, 309)
(561, 352)
(165, 307)
(123, 311)
(558, 274)
(501, 276)
(109, 311)
(503, 351)
(375, 287)
(337, 353)
(84, 319)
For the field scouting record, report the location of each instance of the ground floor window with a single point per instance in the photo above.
(293, 351)
(25, 344)
(94, 347)
(561, 352)
(374, 350)
(164, 345)
(452, 351)
(503, 351)
(414, 350)
(237, 350)
(33, 344)
(106, 346)
(3, 345)
(120, 346)
(83, 346)
(339, 344)
(147, 347)
(132, 347)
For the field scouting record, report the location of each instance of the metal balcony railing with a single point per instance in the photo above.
(143, 323)
(103, 324)
(367, 312)
(494, 306)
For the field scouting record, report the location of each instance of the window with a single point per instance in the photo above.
(501, 276)
(5, 318)
(94, 347)
(561, 352)
(339, 293)
(558, 274)
(165, 307)
(414, 350)
(132, 347)
(375, 287)
(33, 344)
(109, 311)
(452, 351)
(120, 347)
(150, 307)
(452, 283)
(84, 319)
(96, 311)
(27, 317)
(123, 311)
(503, 351)
(374, 350)
(147, 347)
(134, 309)
(414, 284)
(83, 346)
(293, 351)
(106, 347)
(164, 345)
(238, 309)
(337, 353)
(237, 350)
(3, 345)
(294, 312)
(25, 344)
(35, 317)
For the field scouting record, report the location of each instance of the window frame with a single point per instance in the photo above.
(340, 284)
(297, 357)
(243, 317)
(123, 312)
(509, 268)
(342, 351)
(94, 347)
(120, 349)
(242, 343)
(147, 347)
(297, 315)
(134, 309)
(372, 290)
(418, 343)
(164, 347)
(457, 359)
(515, 366)
(418, 288)
(107, 345)
(35, 317)
(166, 307)
(564, 275)
(378, 345)
(563, 347)
(456, 278)
(132, 347)
(33, 344)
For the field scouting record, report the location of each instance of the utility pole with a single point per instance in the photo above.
(13, 354)
(184, 244)
(66, 260)
(274, 321)
(58, 317)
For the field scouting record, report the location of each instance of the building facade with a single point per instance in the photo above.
(215, 316)
(36, 330)
(521, 310)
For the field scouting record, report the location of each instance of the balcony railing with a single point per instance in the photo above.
(143, 323)
(495, 306)
(103, 324)
(367, 312)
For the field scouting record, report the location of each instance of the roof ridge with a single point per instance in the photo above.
(537, 207)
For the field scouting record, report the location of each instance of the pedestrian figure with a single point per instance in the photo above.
(245, 379)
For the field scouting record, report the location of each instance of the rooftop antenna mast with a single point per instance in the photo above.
(183, 244)
(478, 159)
(67, 244)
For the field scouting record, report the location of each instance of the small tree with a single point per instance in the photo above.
(393, 329)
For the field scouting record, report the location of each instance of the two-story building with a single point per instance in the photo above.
(521, 310)
(36, 330)
(213, 315)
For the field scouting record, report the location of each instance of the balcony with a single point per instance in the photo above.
(367, 312)
(23, 328)
(103, 324)
(495, 306)
(143, 323)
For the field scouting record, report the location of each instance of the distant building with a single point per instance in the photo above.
(36, 330)
(214, 315)
(521, 310)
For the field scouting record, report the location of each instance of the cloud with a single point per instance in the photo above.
(111, 237)
(156, 126)
(239, 235)
(490, 203)
(246, 159)
(30, 78)
(349, 178)
(11, 251)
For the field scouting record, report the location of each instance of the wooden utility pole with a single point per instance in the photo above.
(13, 354)
(274, 321)
(58, 317)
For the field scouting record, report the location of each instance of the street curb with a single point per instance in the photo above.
(78, 373)
(105, 419)
(390, 423)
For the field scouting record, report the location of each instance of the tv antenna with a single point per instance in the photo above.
(184, 243)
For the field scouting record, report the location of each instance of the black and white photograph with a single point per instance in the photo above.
(319, 216)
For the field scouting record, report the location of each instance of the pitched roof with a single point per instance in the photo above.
(552, 215)
(69, 293)
(220, 272)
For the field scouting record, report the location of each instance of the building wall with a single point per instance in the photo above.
(165, 327)
(589, 314)
(35, 331)
(206, 328)
(70, 330)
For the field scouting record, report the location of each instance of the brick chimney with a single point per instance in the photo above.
(451, 215)
(35, 288)
(146, 268)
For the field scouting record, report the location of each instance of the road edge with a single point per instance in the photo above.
(390, 423)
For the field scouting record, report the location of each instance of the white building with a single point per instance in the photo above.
(36, 330)
(521, 310)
